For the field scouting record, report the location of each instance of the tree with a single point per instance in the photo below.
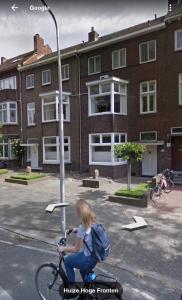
(130, 152)
(18, 150)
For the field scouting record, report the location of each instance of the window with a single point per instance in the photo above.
(178, 40)
(6, 151)
(148, 97)
(30, 81)
(8, 113)
(176, 130)
(31, 113)
(108, 97)
(51, 149)
(94, 65)
(65, 72)
(102, 148)
(147, 51)
(50, 108)
(46, 77)
(8, 83)
(147, 136)
(180, 89)
(119, 58)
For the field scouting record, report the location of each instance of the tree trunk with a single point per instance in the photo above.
(129, 175)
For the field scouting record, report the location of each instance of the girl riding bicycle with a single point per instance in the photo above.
(81, 259)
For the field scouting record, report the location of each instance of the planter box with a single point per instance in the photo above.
(23, 181)
(92, 183)
(139, 202)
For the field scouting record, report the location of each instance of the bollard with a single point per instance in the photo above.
(96, 174)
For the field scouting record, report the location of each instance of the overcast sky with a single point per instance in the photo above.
(75, 19)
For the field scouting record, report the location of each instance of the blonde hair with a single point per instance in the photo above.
(86, 213)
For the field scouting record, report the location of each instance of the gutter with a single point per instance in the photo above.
(95, 46)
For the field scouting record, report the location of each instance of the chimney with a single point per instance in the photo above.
(93, 35)
(38, 42)
(3, 59)
(171, 3)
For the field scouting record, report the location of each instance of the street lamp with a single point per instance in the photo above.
(61, 129)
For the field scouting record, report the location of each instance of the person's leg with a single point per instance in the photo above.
(76, 260)
(89, 264)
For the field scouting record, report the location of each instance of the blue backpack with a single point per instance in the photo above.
(100, 242)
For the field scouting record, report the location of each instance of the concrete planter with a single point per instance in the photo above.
(92, 183)
(23, 181)
(139, 202)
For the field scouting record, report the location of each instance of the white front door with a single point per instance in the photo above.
(34, 156)
(149, 161)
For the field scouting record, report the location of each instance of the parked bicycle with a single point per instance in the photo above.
(52, 282)
(165, 184)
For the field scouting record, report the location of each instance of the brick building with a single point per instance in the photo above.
(125, 86)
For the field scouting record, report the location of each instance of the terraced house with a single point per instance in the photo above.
(125, 86)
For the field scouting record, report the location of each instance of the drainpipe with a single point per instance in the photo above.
(80, 114)
(21, 110)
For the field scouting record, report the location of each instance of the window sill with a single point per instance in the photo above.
(107, 113)
(107, 163)
(148, 113)
(94, 73)
(30, 88)
(45, 84)
(4, 124)
(119, 67)
(31, 125)
(53, 121)
(148, 61)
(55, 162)
(66, 79)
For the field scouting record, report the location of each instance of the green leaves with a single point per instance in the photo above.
(18, 150)
(129, 151)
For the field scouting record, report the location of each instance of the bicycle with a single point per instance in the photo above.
(165, 184)
(52, 282)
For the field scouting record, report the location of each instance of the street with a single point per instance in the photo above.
(147, 262)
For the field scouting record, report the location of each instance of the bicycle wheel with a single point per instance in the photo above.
(156, 193)
(47, 282)
(169, 186)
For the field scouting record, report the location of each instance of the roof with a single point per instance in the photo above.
(13, 62)
(104, 39)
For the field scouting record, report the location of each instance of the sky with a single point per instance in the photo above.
(75, 19)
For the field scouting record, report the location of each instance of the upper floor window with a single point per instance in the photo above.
(30, 81)
(65, 72)
(180, 89)
(178, 40)
(31, 113)
(46, 77)
(50, 108)
(94, 65)
(119, 58)
(148, 97)
(8, 113)
(8, 83)
(101, 148)
(147, 51)
(108, 97)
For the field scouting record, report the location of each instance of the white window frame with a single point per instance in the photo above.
(148, 93)
(9, 144)
(30, 111)
(63, 67)
(45, 72)
(8, 110)
(57, 150)
(28, 87)
(119, 55)
(112, 144)
(176, 133)
(112, 92)
(175, 40)
(56, 102)
(94, 58)
(153, 140)
(140, 52)
(180, 88)
(5, 82)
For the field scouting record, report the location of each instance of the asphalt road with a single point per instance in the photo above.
(19, 259)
